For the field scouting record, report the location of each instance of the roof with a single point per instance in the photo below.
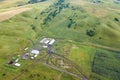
(32, 57)
(35, 52)
(44, 39)
(26, 48)
(17, 64)
(36, 55)
(52, 41)
(47, 41)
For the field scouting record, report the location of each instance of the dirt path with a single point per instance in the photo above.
(8, 14)
(101, 46)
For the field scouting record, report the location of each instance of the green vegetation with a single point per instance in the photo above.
(67, 24)
(7, 4)
(106, 64)
(65, 20)
(96, 1)
(91, 33)
(35, 1)
(15, 34)
(83, 56)
(71, 23)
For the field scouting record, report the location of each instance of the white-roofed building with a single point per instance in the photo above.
(26, 49)
(35, 52)
(52, 41)
(32, 57)
(43, 40)
(35, 55)
(17, 64)
(47, 41)
(16, 60)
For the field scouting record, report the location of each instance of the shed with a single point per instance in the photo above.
(16, 60)
(35, 52)
(32, 57)
(17, 64)
(35, 55)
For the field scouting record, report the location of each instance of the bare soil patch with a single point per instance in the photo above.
(9, 14)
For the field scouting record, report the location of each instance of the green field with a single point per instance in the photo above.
(71, 23)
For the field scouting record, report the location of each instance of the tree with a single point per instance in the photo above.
(33, 27)
(90, 33)
(3, 74)
(35, 1)
(116, 19)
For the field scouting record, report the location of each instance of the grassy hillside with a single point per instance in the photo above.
(78, 21)
(72, 23)
(15, 35)
(9, 4)
(106, 63)
(84, 22)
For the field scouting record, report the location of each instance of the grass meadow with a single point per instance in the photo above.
(70, 23)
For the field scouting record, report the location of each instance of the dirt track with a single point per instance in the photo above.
(8, 14)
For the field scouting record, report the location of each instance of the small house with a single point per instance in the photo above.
(32, 57)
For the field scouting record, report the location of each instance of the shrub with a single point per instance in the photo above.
(91, 33)
(116, 19)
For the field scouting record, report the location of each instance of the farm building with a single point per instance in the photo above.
(52, 41)
(17, 64)
(32, 57)
(117, 1)
(16, 60)
(35, 52)
(44, 41)
(47, 41)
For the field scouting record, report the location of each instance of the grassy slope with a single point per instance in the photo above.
(9, 4)
(88, 17)
(105, 14)
(68, 39)
(83, 56)
(103, 69)
(106, 63)
(14, 35)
